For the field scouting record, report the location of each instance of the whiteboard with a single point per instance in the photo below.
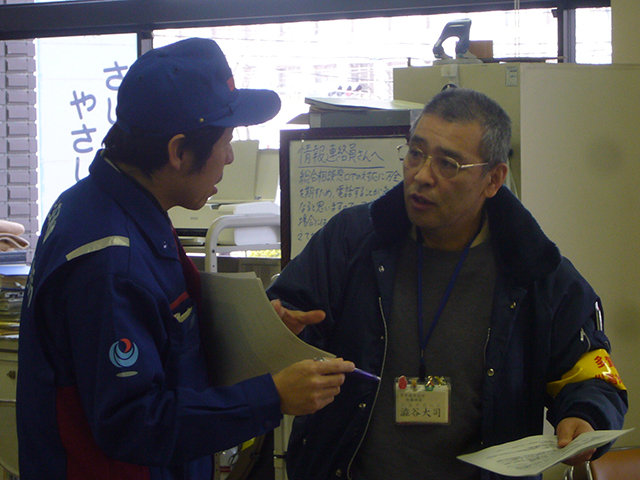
(329, 169)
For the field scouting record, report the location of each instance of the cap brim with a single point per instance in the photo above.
(251, 107)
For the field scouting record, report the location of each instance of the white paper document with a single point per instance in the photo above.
(533, 455)
(244, 335)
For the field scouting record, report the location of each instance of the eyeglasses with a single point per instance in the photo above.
(444, 166)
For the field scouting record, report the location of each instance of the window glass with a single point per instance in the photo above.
(355, 58)
(77, 83)
(593, 35)
(77, 77)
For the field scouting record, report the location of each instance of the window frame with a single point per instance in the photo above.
(99, 17)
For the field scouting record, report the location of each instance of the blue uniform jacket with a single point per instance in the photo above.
(542, 322)
(112, 380)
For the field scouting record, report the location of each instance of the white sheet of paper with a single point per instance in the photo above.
(533, 455)
(244, 335)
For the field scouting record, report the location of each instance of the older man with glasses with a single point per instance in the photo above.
(446, 288)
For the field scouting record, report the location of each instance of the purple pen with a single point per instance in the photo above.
(366, 375)
(357, 371)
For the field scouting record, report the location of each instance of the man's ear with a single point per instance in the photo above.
(177, 157)
(497, 176)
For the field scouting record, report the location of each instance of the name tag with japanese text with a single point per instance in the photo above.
(426, 402)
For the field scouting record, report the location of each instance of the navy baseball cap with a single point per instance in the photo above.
(184, 86)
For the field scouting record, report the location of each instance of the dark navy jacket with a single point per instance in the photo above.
(112, 380)
(542, 323)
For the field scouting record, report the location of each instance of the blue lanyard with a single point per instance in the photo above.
(424, 340)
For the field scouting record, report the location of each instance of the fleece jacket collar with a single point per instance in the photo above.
(524, 252)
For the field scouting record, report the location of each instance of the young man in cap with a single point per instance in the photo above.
(113, 382)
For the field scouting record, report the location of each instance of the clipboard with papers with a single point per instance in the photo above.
(243, 334)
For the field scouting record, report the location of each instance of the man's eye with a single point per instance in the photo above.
(446, 163)
(415, 154)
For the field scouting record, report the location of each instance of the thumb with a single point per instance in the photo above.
(308, 318)
(277, 306)
(565, 437)
(569, 428)
(296, 320)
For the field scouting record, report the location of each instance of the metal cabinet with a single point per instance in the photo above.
(8, 436)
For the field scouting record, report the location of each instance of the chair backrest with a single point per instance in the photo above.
(617, 464)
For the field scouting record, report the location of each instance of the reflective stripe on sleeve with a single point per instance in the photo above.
(114, 241)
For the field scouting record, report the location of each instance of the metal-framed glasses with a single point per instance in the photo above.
(444, 166)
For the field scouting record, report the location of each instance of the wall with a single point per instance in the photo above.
(625, 20)
(18, 146)
(581, 186)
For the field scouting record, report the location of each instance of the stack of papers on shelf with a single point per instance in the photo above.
(13, 257)
(9, 328)
(13, 280)
(324, 104)
(358, 112)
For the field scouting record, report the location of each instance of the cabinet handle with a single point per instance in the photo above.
(11, 374)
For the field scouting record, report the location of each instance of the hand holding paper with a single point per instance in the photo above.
(244, 335)
(569, 429)
(532, 455)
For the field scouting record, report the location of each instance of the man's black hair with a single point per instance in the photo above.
(150, 153)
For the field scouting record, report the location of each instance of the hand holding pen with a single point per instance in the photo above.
(356, 371)
(307, 386)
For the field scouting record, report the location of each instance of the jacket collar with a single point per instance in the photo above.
(525, 253)
(141, 206)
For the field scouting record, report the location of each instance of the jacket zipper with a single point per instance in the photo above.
(384, 359)
(486, 346)
(584, 336)
(484, 354)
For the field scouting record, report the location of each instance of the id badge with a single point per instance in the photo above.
(419, 403)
